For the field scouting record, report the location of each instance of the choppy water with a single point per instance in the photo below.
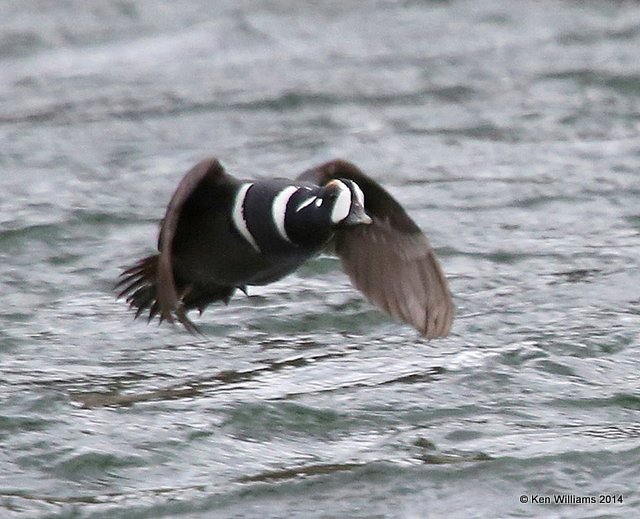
(510, 132)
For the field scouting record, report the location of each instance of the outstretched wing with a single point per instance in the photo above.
(391, 260)
(208, 174)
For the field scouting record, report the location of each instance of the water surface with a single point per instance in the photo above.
(510, 133)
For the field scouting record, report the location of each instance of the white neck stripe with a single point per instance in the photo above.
(238, 216)
(279, 209)
(307, 202)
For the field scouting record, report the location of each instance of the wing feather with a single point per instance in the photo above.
(390, 261)
(209, 171)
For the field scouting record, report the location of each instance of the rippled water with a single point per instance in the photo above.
(510, 132)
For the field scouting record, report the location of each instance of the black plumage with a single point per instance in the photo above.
(220, 234)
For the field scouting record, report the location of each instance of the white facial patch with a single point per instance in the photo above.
(342, 205)
(238, 216)
(359, 193)
(279, 209)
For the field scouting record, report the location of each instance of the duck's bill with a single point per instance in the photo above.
(357, 216)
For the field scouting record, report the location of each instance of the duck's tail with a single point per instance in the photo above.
(139, 284)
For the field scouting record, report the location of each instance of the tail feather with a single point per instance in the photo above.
(138, 284)
(153, 311)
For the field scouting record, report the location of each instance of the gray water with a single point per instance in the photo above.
(509, 131)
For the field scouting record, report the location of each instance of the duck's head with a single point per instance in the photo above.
(345, 203)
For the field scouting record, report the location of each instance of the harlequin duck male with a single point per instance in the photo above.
(220, 234)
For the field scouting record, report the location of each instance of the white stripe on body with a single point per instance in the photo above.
(238, 216)
(279, 209)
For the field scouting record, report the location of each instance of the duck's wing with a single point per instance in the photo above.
(390, 260)
(203, 182)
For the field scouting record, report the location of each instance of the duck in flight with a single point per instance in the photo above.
(221, 234)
